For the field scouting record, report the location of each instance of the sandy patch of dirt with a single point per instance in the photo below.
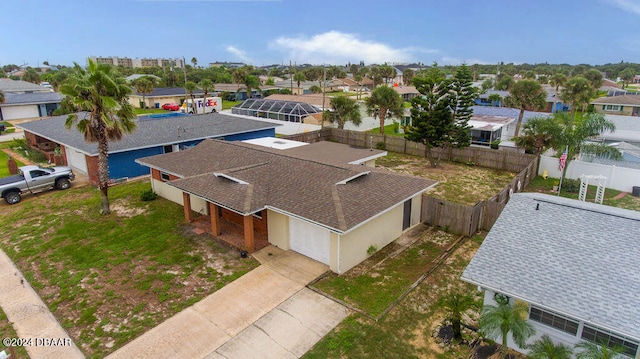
(123, 209)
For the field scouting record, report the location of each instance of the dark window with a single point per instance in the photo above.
(601, 336)
(168, 148)
(553, 320)
(37, 173)
(406, 216)
(258, 214)
(164, 176)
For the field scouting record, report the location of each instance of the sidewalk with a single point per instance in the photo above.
(30, 316)
(11, 136)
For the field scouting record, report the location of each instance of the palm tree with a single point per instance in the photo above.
(194, 61)
(495, 99)
(557, 80)
(358, 79)
(207, 85)
(103, 93)
(299, 77)
(455, 305)
(591, 350)
(144, 85)
(190, 86)
(538, 134)
(384, 101)
(239, 77)
(545, 348)
(577, 92)
(251, 82)
(526, 95)
(499, 321)
(345, 109)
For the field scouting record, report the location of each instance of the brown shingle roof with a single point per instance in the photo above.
(286, 182)
(618, 100)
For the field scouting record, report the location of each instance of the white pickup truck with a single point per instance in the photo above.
(34, 179)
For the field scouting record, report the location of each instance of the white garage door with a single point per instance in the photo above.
(76, 159)
(309, 240)
(20, 112)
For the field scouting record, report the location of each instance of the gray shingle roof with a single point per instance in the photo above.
(8, 85)
(150, 133)
(15, 99)
(299, 186)
(625, 100)
(507, 112)
(576, 258)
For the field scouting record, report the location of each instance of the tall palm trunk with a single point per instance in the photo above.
(383, 115)
(103, 167)
(555, 100)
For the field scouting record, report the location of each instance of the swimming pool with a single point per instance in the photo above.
(161, 115)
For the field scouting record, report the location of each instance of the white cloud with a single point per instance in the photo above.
(627, 5)
(335, 47)
(241, 54)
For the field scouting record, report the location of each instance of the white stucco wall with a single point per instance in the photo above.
(175, 195)
(278, 229)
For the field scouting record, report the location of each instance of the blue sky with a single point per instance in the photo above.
(262, 32)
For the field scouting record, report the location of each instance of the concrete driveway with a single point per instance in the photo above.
(268, 312)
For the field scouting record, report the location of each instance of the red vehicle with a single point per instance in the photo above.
(171, 106)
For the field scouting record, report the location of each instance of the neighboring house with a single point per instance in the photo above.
(487, 129)
(407, 92)
(349, 84)
(152, 136)
(574, 263)
(509, 130)
(483, 98)
(627, 130)
(321, 199)
(19, 86)
(618, 105)
(305, 86)
(162, 95)
(29, 106)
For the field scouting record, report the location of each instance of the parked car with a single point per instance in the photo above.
(34, 179)
(171, 106)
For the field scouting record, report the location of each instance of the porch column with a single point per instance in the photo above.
(186, 202)
(248, 234)
(215, 220)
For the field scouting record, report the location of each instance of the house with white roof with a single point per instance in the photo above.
(574, 263)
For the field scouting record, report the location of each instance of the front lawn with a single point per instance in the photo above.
(406, 331)
(457, 182)
(149, 111)
(7, 331)
(108, 279)
(229, 104)
(4, 169)
(388, 130)
(570, 190)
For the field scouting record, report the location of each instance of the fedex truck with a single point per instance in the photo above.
(208, 105)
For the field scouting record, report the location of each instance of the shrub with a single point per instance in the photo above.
(571, 185)
(372, 249)
(148, 195)
(380, 146)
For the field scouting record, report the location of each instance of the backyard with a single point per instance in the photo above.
(108, 279)
(457, 182)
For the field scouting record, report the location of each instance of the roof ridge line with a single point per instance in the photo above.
(342, 223)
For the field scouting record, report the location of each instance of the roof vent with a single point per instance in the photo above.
(345, 181)
(279, 142)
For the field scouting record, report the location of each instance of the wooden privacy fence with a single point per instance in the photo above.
(511, 161)
(467, 220)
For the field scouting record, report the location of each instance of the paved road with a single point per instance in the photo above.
(267, 313)
(11, 136)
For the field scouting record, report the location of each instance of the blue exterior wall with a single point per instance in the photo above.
(123, 164)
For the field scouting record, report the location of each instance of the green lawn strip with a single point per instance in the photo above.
(148, 111)
(4, 169)
(406, 331)
(7, 124)
(108, 279)
(7, 331)
(539, 184)
(388, 130)
(376, 289)
(229, 104)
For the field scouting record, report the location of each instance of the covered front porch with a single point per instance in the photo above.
(245, 232)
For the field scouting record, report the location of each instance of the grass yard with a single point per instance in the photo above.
(8, 127)
(4, 169)
(108, 279)
(388, 130)
(229, 104)
(377, 282)
(7, 331)
(458, 182)
(542, 185)
(406, 331)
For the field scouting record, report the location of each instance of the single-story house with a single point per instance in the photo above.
(162, 95)
(574, 263)
(19, 86)
(487, 129)
(483, 98)
(509, 130)
(29, 106)
(407, 92)
(154, 135)
(618, 105)
(323, 200)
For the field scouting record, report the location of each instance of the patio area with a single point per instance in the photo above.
(230, 232)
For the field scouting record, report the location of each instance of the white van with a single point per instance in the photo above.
(208, 105)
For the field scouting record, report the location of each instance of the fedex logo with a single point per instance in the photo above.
(208, 103)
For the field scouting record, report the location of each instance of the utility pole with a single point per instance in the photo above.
(290, 77)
